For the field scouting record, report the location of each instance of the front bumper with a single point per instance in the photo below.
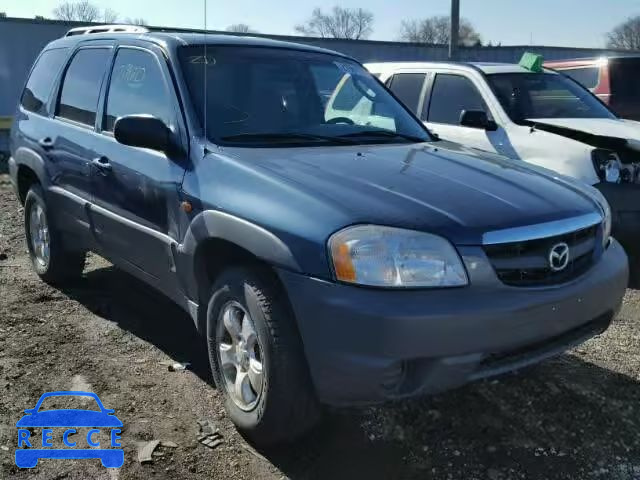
(367, 346)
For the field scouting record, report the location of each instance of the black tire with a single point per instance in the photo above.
(287, 406)
(62, 265)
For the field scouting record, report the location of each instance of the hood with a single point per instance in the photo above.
(442, 188)
(627, 133)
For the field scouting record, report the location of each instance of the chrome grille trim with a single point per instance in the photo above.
(527, 264)
(542, 230)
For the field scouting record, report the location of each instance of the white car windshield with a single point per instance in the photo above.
(545, 95)
(259, 96)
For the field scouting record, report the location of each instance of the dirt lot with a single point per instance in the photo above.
(576, 417)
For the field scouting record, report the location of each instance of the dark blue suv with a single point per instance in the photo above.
(328, 247)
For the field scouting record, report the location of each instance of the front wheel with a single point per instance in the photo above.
(257, 359)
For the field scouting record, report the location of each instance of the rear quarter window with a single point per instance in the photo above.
(35, 96)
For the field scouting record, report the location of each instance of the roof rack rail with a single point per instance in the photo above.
(106, 29)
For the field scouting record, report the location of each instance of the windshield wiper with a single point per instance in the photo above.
(386, 134)
(284, 137)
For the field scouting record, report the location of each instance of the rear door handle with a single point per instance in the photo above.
(46, 143)
(102, 164)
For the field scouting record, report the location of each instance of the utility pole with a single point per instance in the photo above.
(455, 29)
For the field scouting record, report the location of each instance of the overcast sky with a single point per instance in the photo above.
(576, 23)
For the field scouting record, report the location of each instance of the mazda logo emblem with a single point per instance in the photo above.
(559, 257)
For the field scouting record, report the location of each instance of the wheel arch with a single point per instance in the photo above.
(216, 240)
(30, 170)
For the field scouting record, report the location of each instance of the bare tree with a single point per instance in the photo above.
(65, 11)
(109, 15)
(352, 23)
(3, 14)
(436, 30)
(80, 11)
(241, 28)
(136, 21)
(87, 11)
(626, 35)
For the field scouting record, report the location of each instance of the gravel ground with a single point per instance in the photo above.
(575, 417)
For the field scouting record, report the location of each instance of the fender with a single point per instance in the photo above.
(214, 224)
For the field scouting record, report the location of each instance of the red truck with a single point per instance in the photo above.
(613, 79)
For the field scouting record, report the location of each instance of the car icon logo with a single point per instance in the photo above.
(68, 420)
(559, 257)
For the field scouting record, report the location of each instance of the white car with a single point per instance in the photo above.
(538, 116)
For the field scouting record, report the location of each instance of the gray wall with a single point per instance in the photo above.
(20, 43)
(22, 39)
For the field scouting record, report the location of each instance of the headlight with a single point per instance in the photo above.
(606, 212)
(606, 224)
(392, 257)
(607, 165)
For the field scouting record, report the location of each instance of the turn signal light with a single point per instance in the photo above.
(343, 264)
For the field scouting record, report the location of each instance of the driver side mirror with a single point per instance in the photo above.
(145, 131)
(477, 119)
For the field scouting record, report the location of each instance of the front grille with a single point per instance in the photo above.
(526, 263)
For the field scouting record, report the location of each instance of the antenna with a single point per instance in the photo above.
(205, 63)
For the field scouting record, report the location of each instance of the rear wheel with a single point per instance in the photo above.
(51, 261)
(257, 359)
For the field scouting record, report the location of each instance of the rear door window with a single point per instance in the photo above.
(408, 88)
(38, 89)
(137, 87)
(587, 76)
(81, 85)
(451, 94)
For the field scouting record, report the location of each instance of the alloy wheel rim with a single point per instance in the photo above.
(39, 235)
(240, 356)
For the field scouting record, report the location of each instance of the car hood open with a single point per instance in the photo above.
(610, 133)
(442, 187)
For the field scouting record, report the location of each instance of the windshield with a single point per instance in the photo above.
(545, 95)
(257, 96)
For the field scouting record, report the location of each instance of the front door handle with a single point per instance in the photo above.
(102, 164)
(46, 143)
